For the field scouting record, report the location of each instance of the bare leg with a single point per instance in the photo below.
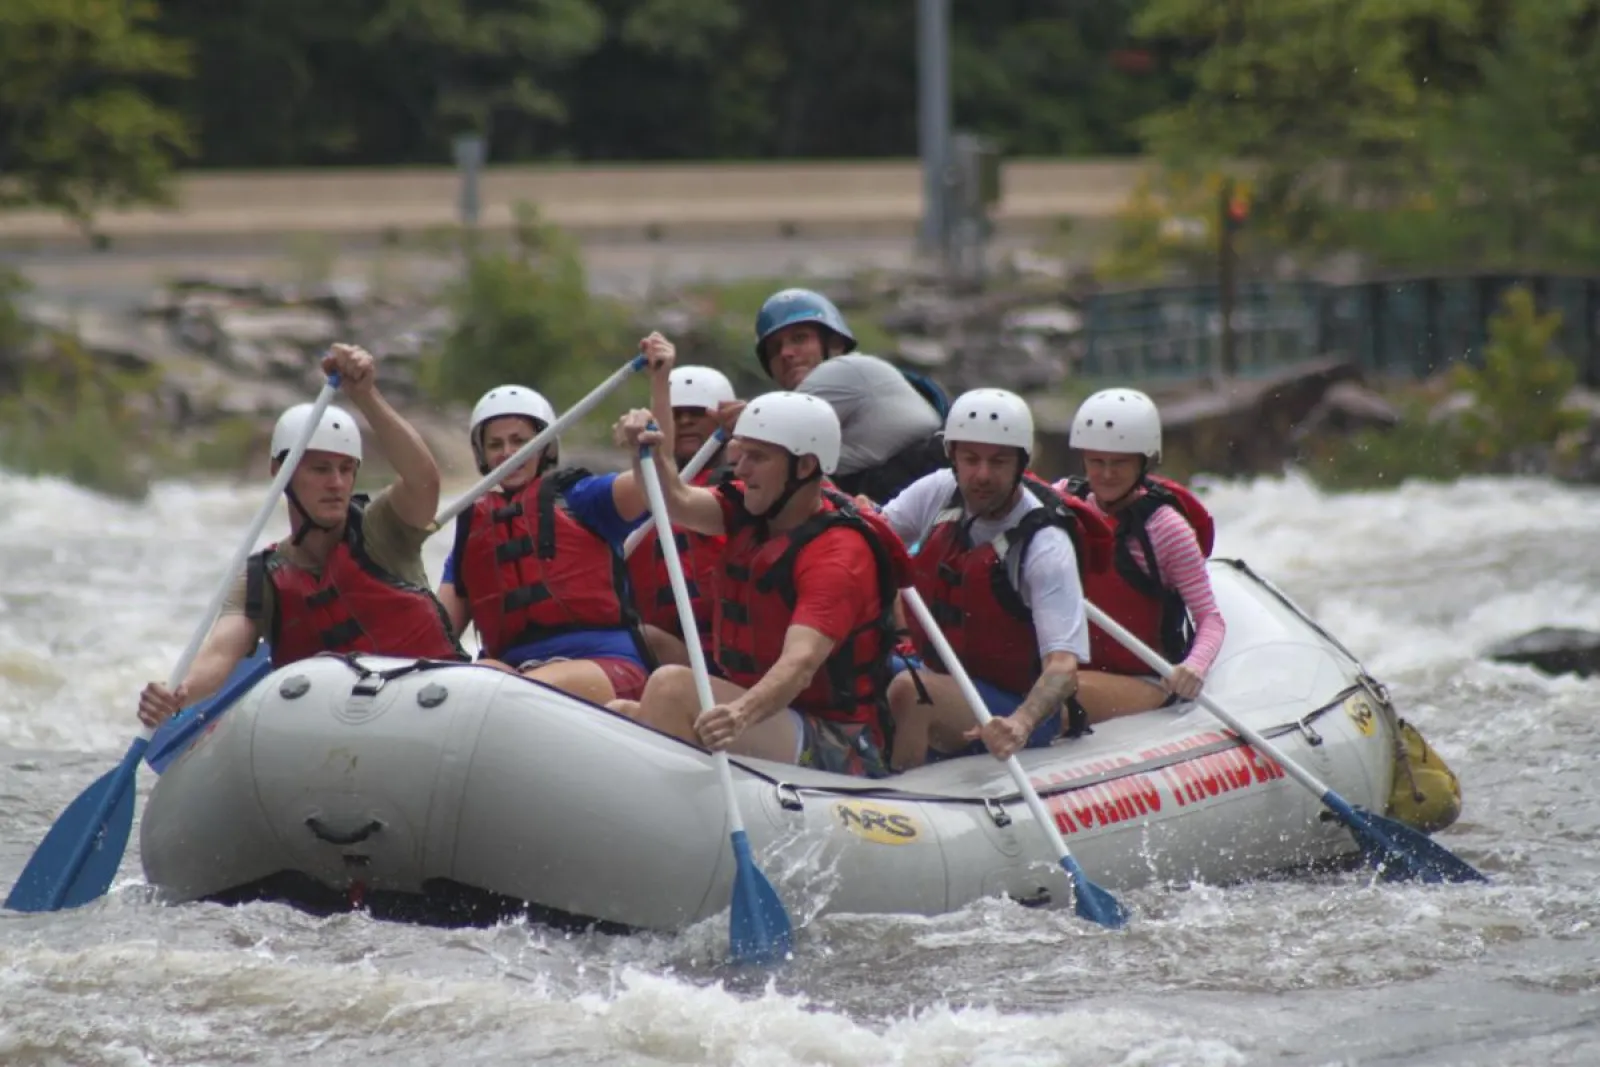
(918, 727)
(1108, 696)
(579, 677)
(665, 647)
(671, 704)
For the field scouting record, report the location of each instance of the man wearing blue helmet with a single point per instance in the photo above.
(889, 426)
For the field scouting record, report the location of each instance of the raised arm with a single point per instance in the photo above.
(415, 495)
(627, 491)
(688, 506)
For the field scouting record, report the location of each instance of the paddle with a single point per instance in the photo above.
(1398, 852)
(577, 411)
(1089, 900)
(174, 736)
(758, 927)
(79, 857)
(696, 464)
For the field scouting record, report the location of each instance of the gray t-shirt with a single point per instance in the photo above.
(880, 413)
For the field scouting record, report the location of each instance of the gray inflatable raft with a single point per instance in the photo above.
(457, 787)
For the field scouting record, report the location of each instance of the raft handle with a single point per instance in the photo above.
(342, 837)
(1313, 738)
(789, 797)
(1040, 898)
(997, 812)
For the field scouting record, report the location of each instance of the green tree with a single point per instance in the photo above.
(77, 130)
(525, 314)
(1520, 391)
(1321, 95)
(1514, 176)
(488, 60)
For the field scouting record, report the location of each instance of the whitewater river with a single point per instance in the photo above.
(98, 596)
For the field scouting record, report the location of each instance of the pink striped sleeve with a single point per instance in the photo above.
(1183, 569)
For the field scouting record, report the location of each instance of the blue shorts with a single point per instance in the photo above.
(1000, 704)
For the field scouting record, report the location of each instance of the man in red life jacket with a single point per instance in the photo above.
(805, 597)
(1158, 586)
(696, 394)
(999, 568)
(350, 578)
(537, 563)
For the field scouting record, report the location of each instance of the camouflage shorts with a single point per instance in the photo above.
(840, 749)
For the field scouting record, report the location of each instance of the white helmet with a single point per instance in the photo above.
(800, 424)
(1118, 420)
(990, 417)
(336, 433)
(505, 400)
(699, 387)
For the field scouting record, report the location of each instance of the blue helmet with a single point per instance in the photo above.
(790, 306)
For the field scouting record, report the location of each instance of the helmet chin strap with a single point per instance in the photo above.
(1144, 469)
(791, 486)
(307, 523)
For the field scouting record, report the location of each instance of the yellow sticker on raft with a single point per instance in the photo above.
(877, 822)
(1359, 708)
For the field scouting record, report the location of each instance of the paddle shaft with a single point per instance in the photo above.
(696, 464)
(680, 594)
(952, 663)
(279, 483)
(577, 411)
(1120, 634)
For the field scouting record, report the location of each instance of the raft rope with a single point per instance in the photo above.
(1302, 725)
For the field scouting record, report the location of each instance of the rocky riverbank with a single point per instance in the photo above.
(195, 375)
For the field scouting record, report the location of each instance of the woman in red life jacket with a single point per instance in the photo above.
(1157, 585)
(696, 393)
(350, 577)
(999, 569)
(537, 564)
(805, 597)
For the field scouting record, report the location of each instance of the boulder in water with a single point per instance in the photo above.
(1552, 649)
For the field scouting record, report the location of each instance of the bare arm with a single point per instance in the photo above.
(416, 494)
(804, 652)
(627, 489)
(688, 506)
(1055, 683)
(230, 640)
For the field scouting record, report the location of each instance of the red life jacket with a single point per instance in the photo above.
(354, 606)
(972, 590)
(532, 570)
(652, 590)
(756, 596)
(1138, 598)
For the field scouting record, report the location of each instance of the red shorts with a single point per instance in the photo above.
(625, 676)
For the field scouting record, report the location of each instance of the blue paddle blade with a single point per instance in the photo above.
(758, 926)
(1090, 901)
(173, 738)
(1399, 853)
(79, 857)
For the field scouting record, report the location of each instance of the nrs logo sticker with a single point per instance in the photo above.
(1359, 708)
(877, 823)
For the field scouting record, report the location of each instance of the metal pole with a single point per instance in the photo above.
(469, 153)
(1225, 278)
(933, 117)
